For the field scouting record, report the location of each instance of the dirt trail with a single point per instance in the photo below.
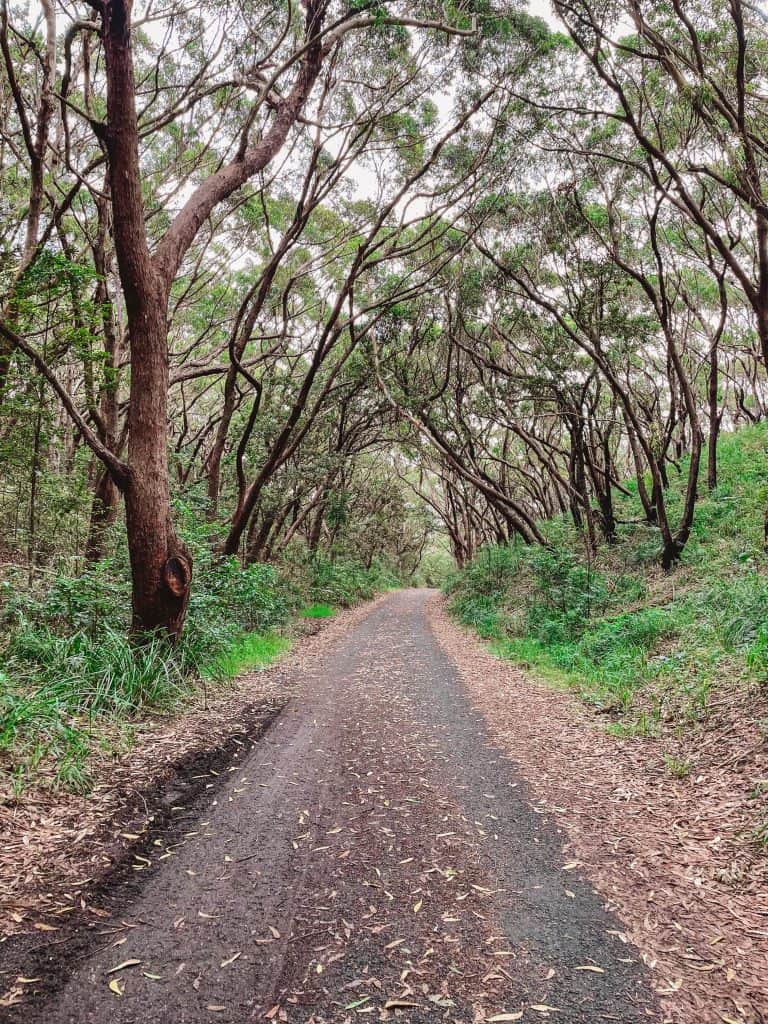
(373, 856)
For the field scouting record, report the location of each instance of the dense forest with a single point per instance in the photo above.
(300, 301)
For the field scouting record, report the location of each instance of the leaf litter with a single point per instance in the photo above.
(673, 858)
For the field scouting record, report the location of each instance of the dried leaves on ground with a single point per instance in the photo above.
(57, 846)
(676, 858)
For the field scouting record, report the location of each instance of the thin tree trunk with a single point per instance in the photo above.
(103, 515)
(714, 419)
(36, 148)
(105, 492)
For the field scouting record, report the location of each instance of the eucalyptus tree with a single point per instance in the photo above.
(618, 314)
(230, 92)
(434, 383)
(685, 79)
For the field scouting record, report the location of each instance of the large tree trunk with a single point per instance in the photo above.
(161, 567)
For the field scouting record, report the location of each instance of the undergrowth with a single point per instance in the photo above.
(251, 651)
(648, 646)
(69, 673)
(317, 611)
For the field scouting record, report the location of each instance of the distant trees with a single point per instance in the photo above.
(611, 319)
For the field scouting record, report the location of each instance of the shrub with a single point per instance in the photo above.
(619, 624)
(346, 581)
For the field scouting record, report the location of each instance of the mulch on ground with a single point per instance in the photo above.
(675, 859)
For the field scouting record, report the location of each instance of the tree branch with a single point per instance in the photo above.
(117, 468)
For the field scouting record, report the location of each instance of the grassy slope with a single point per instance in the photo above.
(625, 635)
(249, 652)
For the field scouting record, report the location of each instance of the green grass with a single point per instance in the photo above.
(649, 646)
(63, 696)
(317, 611)
(252, 651)
(72, 681)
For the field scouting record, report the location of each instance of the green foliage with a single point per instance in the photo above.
(56, 687)
(680, 767)
(317, 611)
(254, 650)
(346, 581)
(254, 598)
(613, 628)
(69, 669)
(436, 569)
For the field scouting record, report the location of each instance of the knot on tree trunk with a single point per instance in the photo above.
(177, 575)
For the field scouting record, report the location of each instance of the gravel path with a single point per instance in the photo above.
(374, 856)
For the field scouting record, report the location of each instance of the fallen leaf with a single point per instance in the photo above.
(397, 1004)
(590, 967)
(441, 1000)
(359, 1002)
(506, 1016)
(114, 986)
(275, 932)
(543, 1008)
(230, 960)
(123, 965)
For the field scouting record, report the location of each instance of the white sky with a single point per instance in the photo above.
(542, 9)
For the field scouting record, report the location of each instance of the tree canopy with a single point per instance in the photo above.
(341, 277)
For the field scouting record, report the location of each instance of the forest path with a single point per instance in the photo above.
(373, 856)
